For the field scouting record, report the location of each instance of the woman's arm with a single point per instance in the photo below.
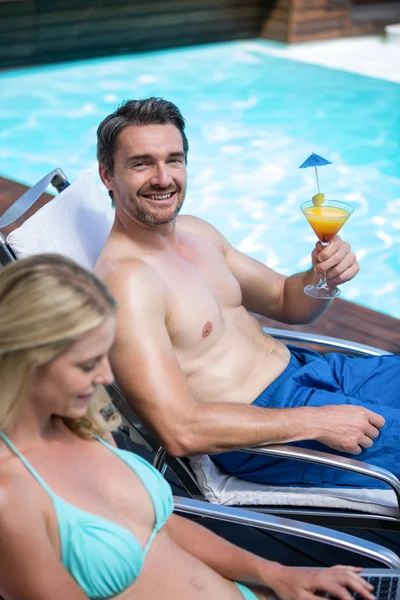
(228, 560)
(237, 564)
(29, 566)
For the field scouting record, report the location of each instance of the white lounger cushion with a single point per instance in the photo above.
(220, 488)
(76, 223)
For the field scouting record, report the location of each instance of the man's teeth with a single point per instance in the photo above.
(159, 196)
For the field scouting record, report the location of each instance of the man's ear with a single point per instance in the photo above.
(105, 177)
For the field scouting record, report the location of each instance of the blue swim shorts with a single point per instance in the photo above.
(313, 379)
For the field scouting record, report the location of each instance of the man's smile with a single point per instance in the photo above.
(161, 199)
(164, 196)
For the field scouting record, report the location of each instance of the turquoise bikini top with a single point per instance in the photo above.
(103, 557)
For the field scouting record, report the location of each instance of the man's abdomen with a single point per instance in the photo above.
(237, 364)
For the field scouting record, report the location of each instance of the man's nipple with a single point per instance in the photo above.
(207, 329)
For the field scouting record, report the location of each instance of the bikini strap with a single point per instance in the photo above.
(21, 457)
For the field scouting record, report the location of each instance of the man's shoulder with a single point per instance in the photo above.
(199, 227)
(190, 222)
(121, 272)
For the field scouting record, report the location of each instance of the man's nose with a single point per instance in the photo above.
(161, 176)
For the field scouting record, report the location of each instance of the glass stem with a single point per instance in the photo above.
(322, 284)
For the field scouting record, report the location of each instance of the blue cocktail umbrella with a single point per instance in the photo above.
(314, 160)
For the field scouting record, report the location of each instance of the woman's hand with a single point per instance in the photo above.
(303, 584)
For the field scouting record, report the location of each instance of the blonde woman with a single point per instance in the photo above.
(80, 518)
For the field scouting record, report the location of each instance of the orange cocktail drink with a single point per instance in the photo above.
(326, 217)
(326, 220)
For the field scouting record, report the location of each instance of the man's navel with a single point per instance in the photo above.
(207, 329)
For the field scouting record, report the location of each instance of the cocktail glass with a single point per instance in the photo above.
(326, 220)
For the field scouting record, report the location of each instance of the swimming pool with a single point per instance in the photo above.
(252, 118)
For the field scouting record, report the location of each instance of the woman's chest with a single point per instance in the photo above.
(95, 486)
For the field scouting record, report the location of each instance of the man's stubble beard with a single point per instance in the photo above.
(147, 217)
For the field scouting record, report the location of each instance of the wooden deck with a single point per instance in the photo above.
(343, 319)
(353, 322)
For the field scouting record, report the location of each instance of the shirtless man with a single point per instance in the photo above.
(188, 354)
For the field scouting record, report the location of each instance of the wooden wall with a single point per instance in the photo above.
(276, 18)
(43, 31)
(320, 19)
(294, 21)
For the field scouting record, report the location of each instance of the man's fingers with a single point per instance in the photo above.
(372, 432)
(338, 262)
(353, 428)
(356, 449)
(365, 442)
(325, 252)
(375, 419)
(346, 275)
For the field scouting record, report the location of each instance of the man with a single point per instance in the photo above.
(189, 356)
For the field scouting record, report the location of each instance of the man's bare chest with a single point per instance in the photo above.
(200, 289)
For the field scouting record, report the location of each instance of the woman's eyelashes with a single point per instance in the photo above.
(88, 366)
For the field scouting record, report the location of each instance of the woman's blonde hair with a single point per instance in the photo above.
(48, 302)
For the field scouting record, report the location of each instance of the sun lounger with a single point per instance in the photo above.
(76, 224)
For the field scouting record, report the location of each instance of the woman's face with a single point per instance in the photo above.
(65, 385)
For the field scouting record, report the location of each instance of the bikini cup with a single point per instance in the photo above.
(103, 557)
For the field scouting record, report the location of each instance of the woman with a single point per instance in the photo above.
(78, 517)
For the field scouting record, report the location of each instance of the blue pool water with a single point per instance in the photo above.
(252, 119)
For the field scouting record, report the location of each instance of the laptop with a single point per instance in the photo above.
(386, 583)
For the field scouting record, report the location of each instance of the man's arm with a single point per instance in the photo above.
(283, 298)
(152, 380)
(272, 295)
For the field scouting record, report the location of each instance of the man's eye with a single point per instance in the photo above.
(139, 165)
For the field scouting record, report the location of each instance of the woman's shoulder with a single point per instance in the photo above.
(12, 487)
(32, 567)
(17, 497)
